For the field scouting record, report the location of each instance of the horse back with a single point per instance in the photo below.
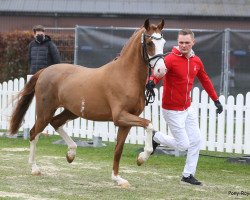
(78, 89)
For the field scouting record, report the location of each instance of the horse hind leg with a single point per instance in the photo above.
(40, 124)
(57, 123)
(34, 168)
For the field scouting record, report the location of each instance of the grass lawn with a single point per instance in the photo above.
(89, 176)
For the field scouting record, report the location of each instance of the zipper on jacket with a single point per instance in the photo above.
(187, 82)
(37, 54)
(171, 93)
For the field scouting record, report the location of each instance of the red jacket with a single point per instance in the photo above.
(179, 79)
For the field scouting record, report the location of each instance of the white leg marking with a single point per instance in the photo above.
(120, 181)
(148, 142)
(34, 168)
(148, 149)
(71, 144)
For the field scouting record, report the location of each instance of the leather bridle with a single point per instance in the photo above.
(145, 51)
(150, 94)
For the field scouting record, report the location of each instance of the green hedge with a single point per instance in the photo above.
(14, 52)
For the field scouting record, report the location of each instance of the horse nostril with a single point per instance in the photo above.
(161, 70)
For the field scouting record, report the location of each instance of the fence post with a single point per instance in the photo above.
(211, 125)
(239, 123)
(221, 127)
(76, 46)
(230, 124)
(1, 108)
(247, 126)
(204, 119)
(225, 65)
(4, 106)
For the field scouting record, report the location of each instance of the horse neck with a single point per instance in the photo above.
(132, 59)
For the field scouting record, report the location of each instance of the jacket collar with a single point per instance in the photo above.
(177, 52)
(46, 39)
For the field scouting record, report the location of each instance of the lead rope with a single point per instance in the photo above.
(149, 94)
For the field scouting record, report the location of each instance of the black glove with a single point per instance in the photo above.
(219, 106)
(150, 85)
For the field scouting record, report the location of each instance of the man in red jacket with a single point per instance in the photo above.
(182, 68)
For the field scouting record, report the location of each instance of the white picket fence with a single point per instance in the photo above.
(227, 132)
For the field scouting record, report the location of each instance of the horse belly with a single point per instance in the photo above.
(88, 106)
(96, 110)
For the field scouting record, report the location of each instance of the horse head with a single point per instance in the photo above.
(153, 44)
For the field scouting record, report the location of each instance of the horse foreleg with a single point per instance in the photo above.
(127, 119)
(71, 144)
(34, 168)
(148, 149)
(121, 137)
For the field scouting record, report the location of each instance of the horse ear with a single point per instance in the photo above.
(146, 24)
(161, 24)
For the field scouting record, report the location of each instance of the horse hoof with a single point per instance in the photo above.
(71, 155)
(125, 185)
(70, 158)
(36, 173)
(143, 157)
(139, 161)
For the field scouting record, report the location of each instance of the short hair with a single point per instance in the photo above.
(186, 32)
(38, 28)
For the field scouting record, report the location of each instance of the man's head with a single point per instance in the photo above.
(38, 28)
(185, 41)
(39, 33)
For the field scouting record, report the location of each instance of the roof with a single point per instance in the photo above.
(208, 8)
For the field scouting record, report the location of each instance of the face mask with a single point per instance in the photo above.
(39, 38)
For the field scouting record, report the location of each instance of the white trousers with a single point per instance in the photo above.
(186, 136)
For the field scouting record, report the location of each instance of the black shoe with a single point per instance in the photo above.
(191, 180)
(154, 143)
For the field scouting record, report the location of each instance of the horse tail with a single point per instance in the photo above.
(24, 100)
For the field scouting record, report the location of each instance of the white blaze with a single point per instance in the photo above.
(160, 67)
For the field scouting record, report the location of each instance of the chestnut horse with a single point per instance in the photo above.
(113, 92)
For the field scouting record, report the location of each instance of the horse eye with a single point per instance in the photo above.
(150, 44)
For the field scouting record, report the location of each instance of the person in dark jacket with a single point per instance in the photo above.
(42, 51)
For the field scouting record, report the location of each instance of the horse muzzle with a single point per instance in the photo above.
(160, 69)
